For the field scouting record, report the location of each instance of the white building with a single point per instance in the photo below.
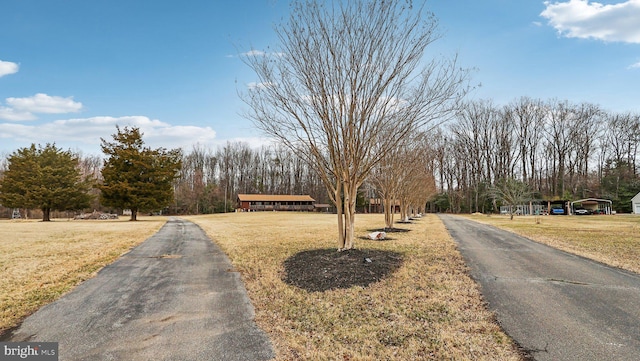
(635, 204)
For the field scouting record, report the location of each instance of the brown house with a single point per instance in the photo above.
(275, 202)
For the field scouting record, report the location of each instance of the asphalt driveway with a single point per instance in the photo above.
(557, 306)
(174, 297)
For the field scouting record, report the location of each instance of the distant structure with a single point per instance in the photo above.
(376, 205)
(274, 202)
(592, 206)
(635, 204)
(562, 207)
(16, 214)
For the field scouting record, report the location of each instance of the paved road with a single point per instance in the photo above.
(555, 305)
(174, 297)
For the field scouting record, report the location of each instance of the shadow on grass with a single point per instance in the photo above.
(390, 230)
(321, 270)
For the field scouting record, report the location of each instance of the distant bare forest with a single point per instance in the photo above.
(559, 149)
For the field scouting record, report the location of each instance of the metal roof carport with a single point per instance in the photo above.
(603, 205)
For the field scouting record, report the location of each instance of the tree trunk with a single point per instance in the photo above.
(134, 215)
(340, 212)
(388, 212)
(46, 214)
(407, 213)
(350, 192)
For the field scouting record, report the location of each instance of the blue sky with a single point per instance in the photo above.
(70, 70)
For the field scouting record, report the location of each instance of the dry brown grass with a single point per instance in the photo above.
(612, 239)
(40, 261)
(428, 309)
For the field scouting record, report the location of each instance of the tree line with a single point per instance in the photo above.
(212, 178)
(133, 176)
(559, 149)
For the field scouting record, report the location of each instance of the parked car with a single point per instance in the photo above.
(557, 210)
(581, 212)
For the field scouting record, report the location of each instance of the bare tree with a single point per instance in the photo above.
(621, 139)
(511, 193)
(589, 129)
(559, 134)
(386, 182)
(570, 133)
(90, 168)
(193, 189)
(347, 71)
(528, 117)
(481, 138)
(418, 185)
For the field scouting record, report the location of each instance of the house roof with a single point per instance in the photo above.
(274, 198)
(636, 198)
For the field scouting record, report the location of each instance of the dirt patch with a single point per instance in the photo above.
(326, 269)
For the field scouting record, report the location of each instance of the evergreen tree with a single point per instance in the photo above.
(137, 177)
(620, 183)
(47, 178)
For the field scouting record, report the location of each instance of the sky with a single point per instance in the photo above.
(71, 70)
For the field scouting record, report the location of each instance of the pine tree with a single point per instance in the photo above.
(47, 178)
(137, 177)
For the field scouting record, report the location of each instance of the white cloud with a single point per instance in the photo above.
(634, 66)
(253, 85)
(7, 67)
(43, 103)
(584, 19)
(15, 116)
(254, 53)
(261, 53)
(85, 133)
(253, 142)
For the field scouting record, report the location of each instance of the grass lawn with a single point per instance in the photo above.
(428, 308)
(40, 261)
(610, 239)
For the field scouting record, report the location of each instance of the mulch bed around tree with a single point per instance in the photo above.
(390, 230)
(326, 269)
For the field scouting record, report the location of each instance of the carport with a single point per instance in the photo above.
(593, 205)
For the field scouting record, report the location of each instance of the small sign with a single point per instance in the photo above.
(30, 351)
